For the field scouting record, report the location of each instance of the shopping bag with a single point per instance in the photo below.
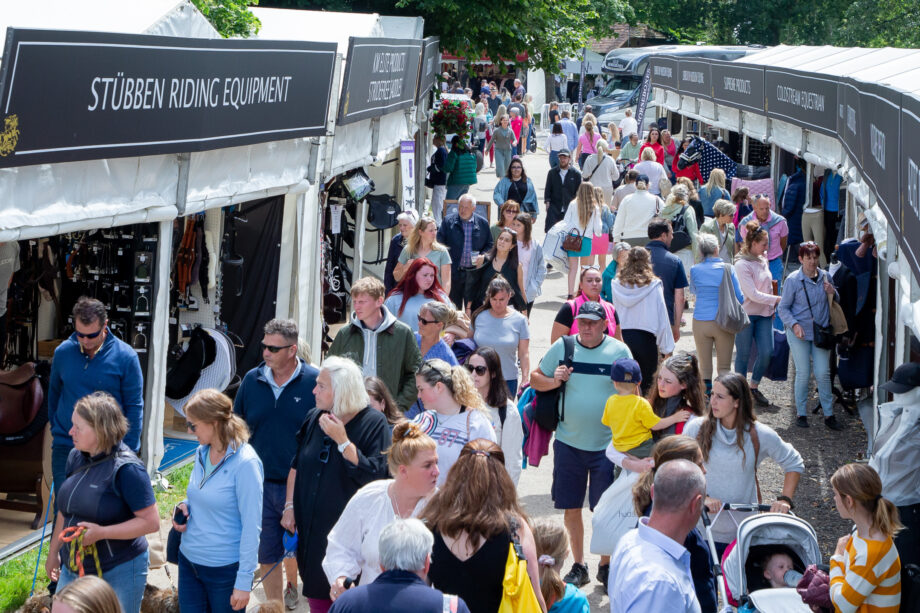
(552, 247)
(614, 514)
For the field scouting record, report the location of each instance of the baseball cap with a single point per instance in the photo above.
(591, 310)
(626, 370)
(565, 152)
(905, 378)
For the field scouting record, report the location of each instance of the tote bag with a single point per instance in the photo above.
(730, 316)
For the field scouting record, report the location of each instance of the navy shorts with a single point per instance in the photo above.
(271, 543)
(574, 472)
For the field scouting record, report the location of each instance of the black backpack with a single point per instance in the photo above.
(549, 406)
(681, 237)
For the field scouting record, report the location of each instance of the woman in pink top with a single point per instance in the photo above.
(753, 272)
(587, 143)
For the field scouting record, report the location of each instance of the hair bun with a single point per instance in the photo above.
(406, 430)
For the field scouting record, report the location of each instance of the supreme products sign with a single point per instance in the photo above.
(67, 96)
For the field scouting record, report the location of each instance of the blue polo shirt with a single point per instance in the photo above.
(670, 270)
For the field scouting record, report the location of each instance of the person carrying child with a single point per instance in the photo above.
(630, 417)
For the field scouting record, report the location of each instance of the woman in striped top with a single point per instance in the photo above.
(865, 568)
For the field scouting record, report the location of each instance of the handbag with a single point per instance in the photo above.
(429, 182)
(572, 241)
(838, 320)
(549, 406)
(518, 595)
(824, 337)
(730, 316)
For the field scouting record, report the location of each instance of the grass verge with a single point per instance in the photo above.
(16, 574)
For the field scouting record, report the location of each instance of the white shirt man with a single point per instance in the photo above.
(628, 125)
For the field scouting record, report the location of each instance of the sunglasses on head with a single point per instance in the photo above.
(273, 348)
(90, 334)
(479, 370)
(590, 267)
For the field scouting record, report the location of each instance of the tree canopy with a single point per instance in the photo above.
(230, 17)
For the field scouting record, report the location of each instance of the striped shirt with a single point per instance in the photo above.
(867, 578)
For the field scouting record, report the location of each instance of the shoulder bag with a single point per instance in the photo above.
(681, 237)
(664, 186)
(824, 337)
(730, 316)
(838, 320)
(518, 595)
(549, 406)
(572, 241)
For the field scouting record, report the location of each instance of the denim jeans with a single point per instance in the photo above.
(127, 579)
(761, 329)
(803, 354)
(455, 191)
(553, 159)
(776, 271)
(206, 588)
(512, 387)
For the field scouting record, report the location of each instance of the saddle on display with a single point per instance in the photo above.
(21, 400)
(201, 352)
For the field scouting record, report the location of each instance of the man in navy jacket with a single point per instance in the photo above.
(792, 202)
(462, 233)
(92, 360)
(274, 399)
(405, 555)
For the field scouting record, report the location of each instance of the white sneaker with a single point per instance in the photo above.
(290, 597)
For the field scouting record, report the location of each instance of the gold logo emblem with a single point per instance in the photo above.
(10, 135)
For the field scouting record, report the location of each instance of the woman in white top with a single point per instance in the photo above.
(454, 412)
(634, 213)
(585, 219)
(352, 546)
(485, 368)
(601, 170)
(649, 167)
(556, 141)
(530, 257)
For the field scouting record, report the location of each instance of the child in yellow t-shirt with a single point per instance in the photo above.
(630, 417)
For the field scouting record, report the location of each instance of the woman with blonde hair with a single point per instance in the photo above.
(423, 243)
(454, 411)
(475, 517)
(587, 141)
(639, 300)
(87, 594)
(352, 551)
(552, 543)
(601, 170)
(106, 499)
(678, 211)
(713, 190)
(865, 567)
(584, 219)
(223, 509)
(340, 448)
(650, 167)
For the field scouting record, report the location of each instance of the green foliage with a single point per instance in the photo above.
(178, 480)
(230, 17)
(16, 579)
(881, 23)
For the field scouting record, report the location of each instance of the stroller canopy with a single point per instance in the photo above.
(769, 529)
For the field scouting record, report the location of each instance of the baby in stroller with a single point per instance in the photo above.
(776, 567)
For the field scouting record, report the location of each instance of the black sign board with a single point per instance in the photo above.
(910, 180)
(694, 79)
(848, 114)
(67, 96)
(880, 132)
(664, 72)
(428, 70)
(803, 99)
(380, 77)
(737, 85)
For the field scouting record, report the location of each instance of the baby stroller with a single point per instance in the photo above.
(758, 537)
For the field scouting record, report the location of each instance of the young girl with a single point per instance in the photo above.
(552, 549)
(382, 400)
(677, 386)
(865, 568)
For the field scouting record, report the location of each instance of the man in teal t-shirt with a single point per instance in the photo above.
(581, 438)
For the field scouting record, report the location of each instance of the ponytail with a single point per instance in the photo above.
(552, 545)
(213, 407)
(861, 483)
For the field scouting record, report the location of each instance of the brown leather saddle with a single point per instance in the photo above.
(21, 399)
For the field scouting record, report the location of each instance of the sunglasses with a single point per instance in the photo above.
(479, 370)
(422, 320)
(590, 267)
(90, 334)
(324, 452)
(273, 348)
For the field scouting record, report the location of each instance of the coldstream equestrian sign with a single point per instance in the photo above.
(88, 95)
(380, 77)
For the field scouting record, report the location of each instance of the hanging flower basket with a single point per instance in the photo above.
(454, 117)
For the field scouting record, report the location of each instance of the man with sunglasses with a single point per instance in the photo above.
(92, 360)
(274, 399)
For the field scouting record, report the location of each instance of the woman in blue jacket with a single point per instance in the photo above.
(220, 541)
(516, 186)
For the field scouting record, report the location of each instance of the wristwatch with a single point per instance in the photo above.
(344, 446)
